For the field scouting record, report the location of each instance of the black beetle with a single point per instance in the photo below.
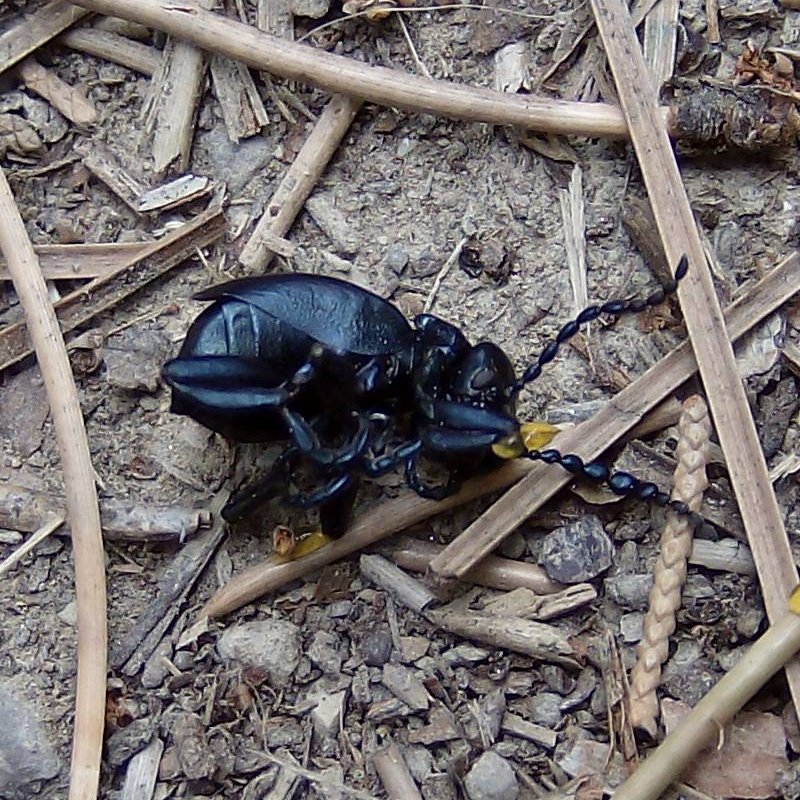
(353, 388)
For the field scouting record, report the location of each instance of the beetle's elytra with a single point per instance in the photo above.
(353, 388)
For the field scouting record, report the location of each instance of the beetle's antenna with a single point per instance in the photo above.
(621, 483)
(612, 308)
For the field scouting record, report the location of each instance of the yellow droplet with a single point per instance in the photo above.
(531, 436)
(794, 600)
(535, 435)
(304, 546)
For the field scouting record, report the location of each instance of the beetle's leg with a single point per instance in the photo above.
(244, 502)
(307, 442)
(621, 483)
(232, 383)
(338, 483)
(380, 465)
(613, 308)
(424, 490)
(335, 513)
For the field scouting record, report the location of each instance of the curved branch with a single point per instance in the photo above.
(81, 497)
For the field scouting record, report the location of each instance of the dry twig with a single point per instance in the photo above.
(300, 179)
(30, 31)
(670, 569)
(393, 772)
(113, 47)
(81, 497)
(341, 75)
(704, 722)
(729, 408)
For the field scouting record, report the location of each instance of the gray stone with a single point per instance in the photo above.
(333, 223)
(271, 646)
(309, 8)
(328, 714)
(126, 742)
(26, 754)
(491, 778)
(134, 357)
(630, 626)
(544, 708)
(324, 651)
(629, 591)
(376, 647)
(577, 552)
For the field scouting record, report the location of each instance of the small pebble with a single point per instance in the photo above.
(376, 647)
(577, 552)
(271, 646)
(491, 778)
(544, 708)
(324, 651)
(629, 591)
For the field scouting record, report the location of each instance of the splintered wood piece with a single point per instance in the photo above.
(391, 516)
(113, 47)
(242, 110)
(104, 164)
(300, 179)
(174, 584)
(406, 590)
(30, 31)
(23, 509)
(155, 260)
(591, 438)
(275, 17)
(535, 639)
(69, 261)
(660, 41)
(704, 322)
(71, 101)
(185, 189)
(175, 95)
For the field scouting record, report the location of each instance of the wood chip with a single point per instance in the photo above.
(155, 260)
(242, 110)
(30, 31)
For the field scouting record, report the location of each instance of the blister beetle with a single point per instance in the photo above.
(352, 388)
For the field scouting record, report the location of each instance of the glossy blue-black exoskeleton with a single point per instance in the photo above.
(353, 388)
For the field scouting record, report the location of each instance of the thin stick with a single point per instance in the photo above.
(591, 438)
(29, 32)
(341, 75)
(81, 497)
(53, 524)
(717, 366)
(704, 722)
(113, 47)
(300, 179)
(391, 516)
(494, 571)
(393, 772)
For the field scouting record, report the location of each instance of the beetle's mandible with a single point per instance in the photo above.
(352, 388)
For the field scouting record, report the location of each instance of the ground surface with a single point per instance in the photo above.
(396, 200)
